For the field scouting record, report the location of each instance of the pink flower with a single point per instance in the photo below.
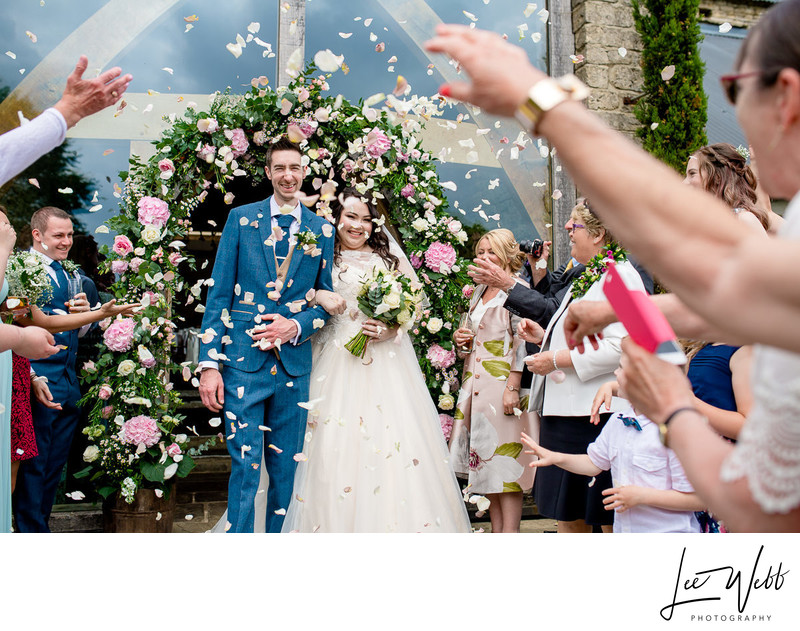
(208, 124)
(378, 143)
(152, 296)
(122, 245)
(89, 366)
(153, 212)
(119, 334)
(174, 450)
(175, 258)
(239, 143)
(207, 153)
(166, 167)
(416, 262)
(408, 191)
(440, 358)
(467, 290)
(349, 166)
(105, 392)
(140, 430)
(440, 257)
(107, 411)
(119, 267)
(135, 263)
(446, 422)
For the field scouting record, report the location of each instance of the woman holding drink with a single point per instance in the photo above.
(485, 441)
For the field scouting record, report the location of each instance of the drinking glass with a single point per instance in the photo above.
(465, 322)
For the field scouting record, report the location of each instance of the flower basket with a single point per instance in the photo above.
(147, 512)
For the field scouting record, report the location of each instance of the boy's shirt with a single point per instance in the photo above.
(637, 458)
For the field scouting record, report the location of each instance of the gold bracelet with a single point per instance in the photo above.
(663, 429)
(512, 389)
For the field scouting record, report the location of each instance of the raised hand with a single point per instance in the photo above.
(485, 272)
(530, 331)
(111, 309)
(83, 97)
(603, 397)
(8, 237)
(587, 319)
(78, 304)
(546, 457)
(35, 343)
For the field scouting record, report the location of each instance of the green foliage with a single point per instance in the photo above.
(672, 111)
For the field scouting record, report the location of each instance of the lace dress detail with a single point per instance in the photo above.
(768, 449)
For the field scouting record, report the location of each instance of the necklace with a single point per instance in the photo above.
(596, 268)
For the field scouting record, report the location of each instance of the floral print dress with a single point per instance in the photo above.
(485, 444)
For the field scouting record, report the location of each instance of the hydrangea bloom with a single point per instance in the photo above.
(140, 430)
(378, 143)
(440, 358)
(446, 422)
(440, 257)
(153, 212)
(239, 143)
(119, 334)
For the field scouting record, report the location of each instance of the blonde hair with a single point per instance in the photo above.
(591, 221)
(505, 247)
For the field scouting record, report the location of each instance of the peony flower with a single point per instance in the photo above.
(440, 357)
(167, 168)
(153, 212)
(91, 453)
(435, 325)
(122, 245)
(440, 257)
(119, 335)
(207, 153)
(126, 367)
(140, 430)
(446, 421)
(408, 191)
(150, 234)
(416, 262)
(446, 401)
(454, 226)
(105, 392)
(145, 357)
(119, 267)
(135, 263)
(377, 143)
(207, 124)
(239, 142)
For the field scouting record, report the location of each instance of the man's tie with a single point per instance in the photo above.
(282, 246)
(629, 421)
(61, 275)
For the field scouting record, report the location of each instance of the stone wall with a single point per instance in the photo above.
(741, 13)
(602, 28)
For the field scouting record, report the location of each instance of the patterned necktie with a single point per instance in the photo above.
(629, 421)
(61, 275)
(282, 246)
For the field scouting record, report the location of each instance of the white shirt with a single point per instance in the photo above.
(638, 458)
(22, 146)
(48, 260)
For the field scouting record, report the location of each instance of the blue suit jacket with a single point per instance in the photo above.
(245, 264)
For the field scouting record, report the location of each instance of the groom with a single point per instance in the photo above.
(257, 324)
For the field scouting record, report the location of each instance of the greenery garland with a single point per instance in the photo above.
(138, 438)
(596, 268)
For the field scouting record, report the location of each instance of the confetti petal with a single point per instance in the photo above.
(725, 27)
(667, 73)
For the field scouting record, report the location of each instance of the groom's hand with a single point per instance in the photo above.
(212, 389)
(279, 329)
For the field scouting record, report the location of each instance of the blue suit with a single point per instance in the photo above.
(38, 478)
(263, 387)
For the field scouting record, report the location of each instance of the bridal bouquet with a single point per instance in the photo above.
(388, 297)
(28, 281)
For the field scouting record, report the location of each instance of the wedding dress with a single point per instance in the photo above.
(374, 458)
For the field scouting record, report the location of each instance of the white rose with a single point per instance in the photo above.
(419, 224)
(392, 300)
(91, 453)
(455, 226)
(126, 367)
(435, 325)
(404, 316)
(150, 234)
(461, 235)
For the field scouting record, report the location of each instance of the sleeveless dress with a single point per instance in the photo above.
(5, 432)
(374, 458)
(23, 437)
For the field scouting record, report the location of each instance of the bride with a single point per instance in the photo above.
(374, 457)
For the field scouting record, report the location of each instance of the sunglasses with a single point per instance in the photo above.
(574, 227)
(730, 82)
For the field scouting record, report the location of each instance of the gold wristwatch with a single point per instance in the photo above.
(545, 95)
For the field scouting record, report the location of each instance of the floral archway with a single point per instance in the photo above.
(372, 145)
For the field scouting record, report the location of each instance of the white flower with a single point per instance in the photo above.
(150, 234)
(91, 453)
(488, 470)
(435, 325)
(126, 367)
(392, 300)
(419, 224)
(327, 61)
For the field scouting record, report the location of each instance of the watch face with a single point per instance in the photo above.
(547, 94)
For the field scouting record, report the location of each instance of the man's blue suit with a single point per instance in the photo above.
(263, 387)
(38, 478)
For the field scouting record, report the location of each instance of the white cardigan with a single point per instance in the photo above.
(592, 368)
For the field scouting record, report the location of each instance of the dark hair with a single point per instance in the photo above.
(282, 144)
(774, 42)
(40, 218)
(378, 240)
(727, 176)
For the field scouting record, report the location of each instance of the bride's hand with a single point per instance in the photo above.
(332, 302)
(378, 330)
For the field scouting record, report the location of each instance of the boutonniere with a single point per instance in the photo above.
(70, 267)
(307, 241)
(596, 268)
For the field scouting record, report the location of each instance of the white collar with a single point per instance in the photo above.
(47, 259)
(275, 210)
